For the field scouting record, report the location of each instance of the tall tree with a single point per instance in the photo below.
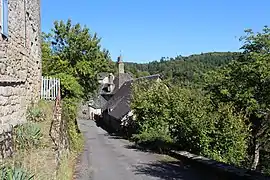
(73, 50)
(246, 83)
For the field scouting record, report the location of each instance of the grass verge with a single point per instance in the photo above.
(40, 160)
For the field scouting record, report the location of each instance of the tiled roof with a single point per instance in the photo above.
(119, 104)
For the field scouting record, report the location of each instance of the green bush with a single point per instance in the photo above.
(69, 115)
(153, 139)
(187, 118)
(229, 136)
(27, 135)
(188, 125)
(14, 173)
(35, 114)
(264, 164)
(202, 128)
(70, 87)
(151, 106)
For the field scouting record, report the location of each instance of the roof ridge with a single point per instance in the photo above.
(147, 76)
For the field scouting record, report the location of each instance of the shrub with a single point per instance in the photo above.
(70, 86)
(188, 125)
(27, 135)
(229, 136)
(188, 118)
(14, 173)
(150, 104)
(154, 139)
(35, 114)
(264, 164)
(69, 115)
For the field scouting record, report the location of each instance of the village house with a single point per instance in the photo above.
(115, 96)
(20, 59)
(94, 108)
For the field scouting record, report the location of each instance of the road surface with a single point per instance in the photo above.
(111, 158)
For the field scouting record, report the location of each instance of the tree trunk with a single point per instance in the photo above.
(256, 156)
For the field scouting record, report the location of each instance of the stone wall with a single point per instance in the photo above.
(20, 61)
(6, 143)
(222, 171)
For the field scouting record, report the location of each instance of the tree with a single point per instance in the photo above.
(184, 118)
(183, 70)
(246, 83)
(74, 51)
(198, 127)
(150, 104)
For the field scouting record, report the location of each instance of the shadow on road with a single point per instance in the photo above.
(163, 170)
(173, 170)
(111, 132)
(138, 148)
(178, 168)
(148, 148)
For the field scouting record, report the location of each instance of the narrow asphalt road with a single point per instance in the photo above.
(110, 158)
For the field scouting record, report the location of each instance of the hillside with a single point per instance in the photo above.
(183, 69)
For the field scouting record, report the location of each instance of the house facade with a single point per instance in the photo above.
(20, 59)
(117, 90)
(94, 109)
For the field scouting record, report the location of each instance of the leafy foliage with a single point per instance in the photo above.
(27, 135)
(73, 54)
(151, 106)
(35, 114)
(70, 86)
(187, 118)
(14, 173)
(246, 84)
(70, 115)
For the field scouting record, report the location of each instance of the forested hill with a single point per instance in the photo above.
(183, 69)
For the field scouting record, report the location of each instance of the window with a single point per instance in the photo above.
(4, 24)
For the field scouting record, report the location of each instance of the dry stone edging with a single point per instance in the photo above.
(232, 171)
(6, 141)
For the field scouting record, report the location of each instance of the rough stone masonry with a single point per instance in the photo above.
(20, 61)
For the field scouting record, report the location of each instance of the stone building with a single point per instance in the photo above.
(20, 59)
(115, 95)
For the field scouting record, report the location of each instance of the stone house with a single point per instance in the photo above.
(116, 111)
(20, 59)
(94, 108)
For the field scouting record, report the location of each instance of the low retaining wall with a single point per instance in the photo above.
(223, 171)
(6, 142)
(59, 131)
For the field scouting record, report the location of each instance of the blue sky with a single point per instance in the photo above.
(146, 30)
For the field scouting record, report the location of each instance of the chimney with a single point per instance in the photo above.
(121, 66)
(111, 78)
(110, 82)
